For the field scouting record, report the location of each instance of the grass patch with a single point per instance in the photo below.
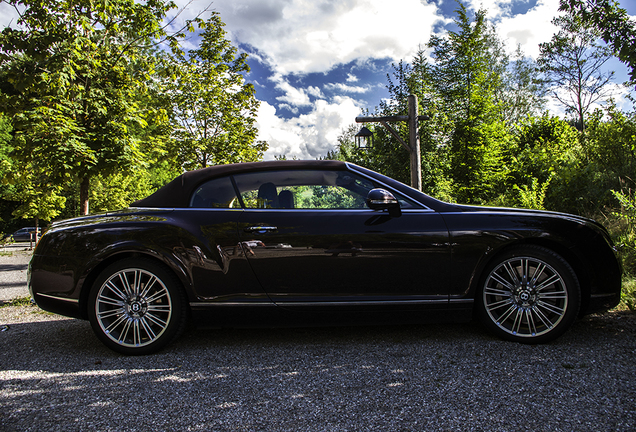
(19, 301)
(628, 293)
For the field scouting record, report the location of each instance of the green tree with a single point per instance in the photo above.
(118, 190)
(72, 74)
(37, 199)
(612, 146)
(572, 64)
(613, 24)
(523, 93)
(6, 206)
(542, 158)
(214, 109)
(468, 73)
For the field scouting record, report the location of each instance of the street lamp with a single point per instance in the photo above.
(364, 138)
(413, 145)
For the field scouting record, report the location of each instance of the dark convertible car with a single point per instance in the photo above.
(295, 243)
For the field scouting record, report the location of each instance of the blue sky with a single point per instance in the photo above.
(316, 64)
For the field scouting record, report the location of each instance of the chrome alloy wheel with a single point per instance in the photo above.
(133, 307)
(525, 297)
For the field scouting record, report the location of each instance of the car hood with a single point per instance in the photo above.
(532, 212)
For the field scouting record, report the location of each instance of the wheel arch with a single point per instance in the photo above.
(566, 253)
(175, 268)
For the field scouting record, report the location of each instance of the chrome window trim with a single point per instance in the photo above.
(367, 210)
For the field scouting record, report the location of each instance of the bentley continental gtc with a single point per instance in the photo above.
(299, 243)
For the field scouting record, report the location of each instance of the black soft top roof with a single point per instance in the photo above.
(177, 193)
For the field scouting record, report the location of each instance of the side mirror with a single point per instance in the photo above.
(382, 199)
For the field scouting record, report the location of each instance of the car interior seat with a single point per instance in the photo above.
(267, 196)
(286, 199)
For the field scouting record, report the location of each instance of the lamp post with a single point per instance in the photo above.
(364, 138)
(413, 146)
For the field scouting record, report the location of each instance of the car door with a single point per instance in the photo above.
(311, 241)
(211, 248)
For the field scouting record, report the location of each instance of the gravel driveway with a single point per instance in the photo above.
(56, 376)
(14, 260)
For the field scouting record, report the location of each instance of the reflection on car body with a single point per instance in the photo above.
(318, 242)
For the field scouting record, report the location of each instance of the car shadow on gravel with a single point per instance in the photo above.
(56, 375)
(64, 337)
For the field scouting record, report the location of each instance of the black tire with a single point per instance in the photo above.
(528, 294)
(137, 307)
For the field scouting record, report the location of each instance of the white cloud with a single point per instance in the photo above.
(315, 92)
(530, 29)
(308, 136)
(293, 96)
(8, 15)
(303, 36)
(494, 8)
(344, 88)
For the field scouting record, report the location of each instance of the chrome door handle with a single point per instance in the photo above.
(260, 229)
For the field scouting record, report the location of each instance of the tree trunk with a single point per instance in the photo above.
(37, 220)
(84, 196)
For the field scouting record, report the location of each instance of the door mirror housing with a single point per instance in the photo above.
(382, 199)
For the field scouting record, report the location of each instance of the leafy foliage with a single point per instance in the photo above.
(214, 110)
(613, 24)
(71, 78)
(95, 105)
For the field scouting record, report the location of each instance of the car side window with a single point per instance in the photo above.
(303, 189)
(217, 193)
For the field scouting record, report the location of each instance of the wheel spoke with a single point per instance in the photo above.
(497, 278)
(512, 272)
(156, 320)
(148, 329)
(110, 301)
(538, 271)
(506, 314)
(498, 304)
(517, 323)
(136, 282)
(148, 287)
(125, 284)
(124, 333)
(497, 292)
(550, 308)
(532, 328)
(156, 296)
(553, 295)
(544, 319)
(546, 283)
(119, 321)
(115, 290)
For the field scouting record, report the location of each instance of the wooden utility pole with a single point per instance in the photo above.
(413, 146)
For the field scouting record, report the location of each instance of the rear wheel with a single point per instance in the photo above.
(136, 307)
(530, 295)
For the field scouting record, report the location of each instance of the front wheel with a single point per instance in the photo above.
(530, 295)
(136, 307)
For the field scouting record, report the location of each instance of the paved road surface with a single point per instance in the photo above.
(14, 260)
